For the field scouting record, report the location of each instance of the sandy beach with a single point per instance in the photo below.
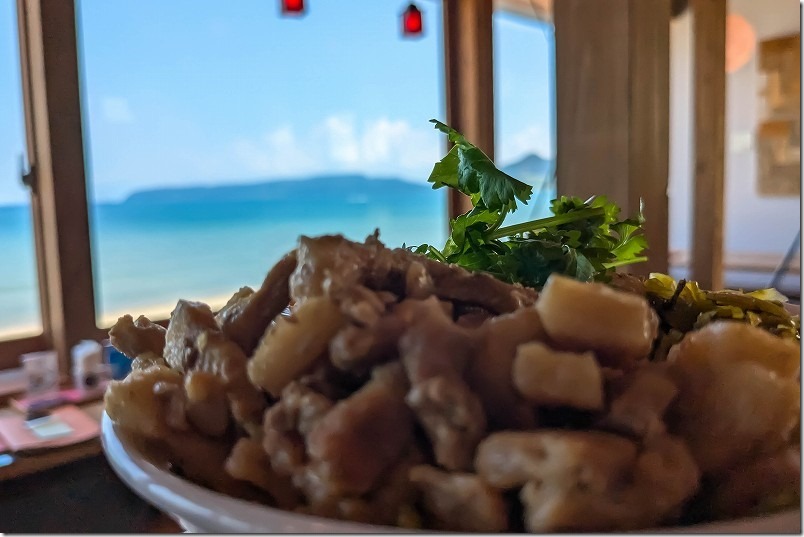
(106, 320)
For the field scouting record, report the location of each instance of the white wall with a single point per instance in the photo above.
(753, 224)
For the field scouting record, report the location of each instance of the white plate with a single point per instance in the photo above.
(199, 509)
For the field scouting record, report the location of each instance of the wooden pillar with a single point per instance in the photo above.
(709, 98)
(56, 155)
(613, 108)
(468, 57)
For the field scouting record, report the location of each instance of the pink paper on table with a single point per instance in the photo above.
(18, 436)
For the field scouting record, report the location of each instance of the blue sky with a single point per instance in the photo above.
(206, 92)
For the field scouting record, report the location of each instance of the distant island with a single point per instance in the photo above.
(340, 188)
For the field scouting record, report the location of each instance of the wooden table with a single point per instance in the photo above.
(26, 464)
(73, 489)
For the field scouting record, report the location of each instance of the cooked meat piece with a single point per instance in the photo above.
(134, 404)
(236, 301)
(758, 485)
(453, 418)
(473, 318)
(202, 460)
(332, 382)
(665, 477)
(359, 304)
(581, 459)
(221, 357)
(349, 509)
(187, 322)
(206, 406)
(435, 352)
(433, 345)
(148, 359)
(286, 425)
(391, 503)
(727, 342)
(639, 406)
(212, 364)
(175, 405)
(194, 343)
(248, 462)
(134, 338)
(619, 327)
(394, 501)
(234, 305)
(370, 337)
(664, 342)
(452, 282)
(357, 348)
(549, 377)
(335, 260)
(293, 344)
(552, 509)
(352, 446)
(647, 492)
(460, 502)
(628, 283)
(418, 283)
(246, 320)
(159, 399)
(328, 256)
(489, 372)
(739, 396)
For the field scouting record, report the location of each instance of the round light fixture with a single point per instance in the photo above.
(741, 42)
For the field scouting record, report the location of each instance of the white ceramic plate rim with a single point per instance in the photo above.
(194, 504)
(218, 513)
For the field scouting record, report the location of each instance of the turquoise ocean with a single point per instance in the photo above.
(149, 255)
(204, 243)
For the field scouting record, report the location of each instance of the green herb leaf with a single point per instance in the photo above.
(583, 239)
(467, 169)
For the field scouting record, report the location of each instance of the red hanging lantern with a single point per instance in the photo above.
(412, 21)
(292, 7)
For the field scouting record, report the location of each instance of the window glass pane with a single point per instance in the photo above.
(19, 302)
(218, 132)
(524, 107)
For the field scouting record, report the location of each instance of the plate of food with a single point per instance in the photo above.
(510, 381)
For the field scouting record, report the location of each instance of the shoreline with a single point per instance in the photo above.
(154, 312)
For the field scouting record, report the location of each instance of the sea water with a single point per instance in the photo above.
(146, 256)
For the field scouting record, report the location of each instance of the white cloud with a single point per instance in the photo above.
(340, 136)
(116, 110)
(403, 147)
(336, 144)
(383, 138)
(276, 153)
(531, 139)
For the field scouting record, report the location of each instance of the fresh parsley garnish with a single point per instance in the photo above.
(468, 169)
(583, 239)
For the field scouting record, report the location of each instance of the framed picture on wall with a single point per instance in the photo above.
(779, 129)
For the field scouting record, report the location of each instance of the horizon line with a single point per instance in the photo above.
(254, 181)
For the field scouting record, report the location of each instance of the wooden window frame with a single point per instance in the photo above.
(55, 148)
(709, 140)
(469, 75)
(60, 210)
